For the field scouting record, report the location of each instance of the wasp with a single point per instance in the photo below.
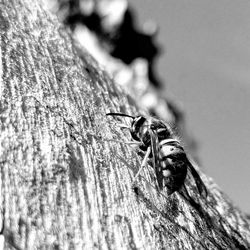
(159, 144)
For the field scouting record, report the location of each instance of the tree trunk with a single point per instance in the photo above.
(64, 183)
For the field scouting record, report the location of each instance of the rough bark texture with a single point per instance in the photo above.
(64, 184)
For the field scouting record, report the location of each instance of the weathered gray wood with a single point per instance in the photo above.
(64, 184)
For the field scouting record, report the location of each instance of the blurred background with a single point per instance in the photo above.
(205, 66)
(199, 53)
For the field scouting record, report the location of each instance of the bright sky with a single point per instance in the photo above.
(206, 66)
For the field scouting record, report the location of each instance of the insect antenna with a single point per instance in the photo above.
(120, 114)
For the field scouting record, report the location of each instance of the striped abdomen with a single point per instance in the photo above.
(173, 162)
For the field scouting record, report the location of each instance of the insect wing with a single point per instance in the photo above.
(155, 154)
(198, 181)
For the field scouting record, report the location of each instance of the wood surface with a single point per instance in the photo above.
(65, 173)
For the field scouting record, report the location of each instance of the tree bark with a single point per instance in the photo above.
(64, 183)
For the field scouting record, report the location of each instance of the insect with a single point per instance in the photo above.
(157, 141)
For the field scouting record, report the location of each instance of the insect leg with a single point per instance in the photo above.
(122, 126)
(143, 164)
(130, 143)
